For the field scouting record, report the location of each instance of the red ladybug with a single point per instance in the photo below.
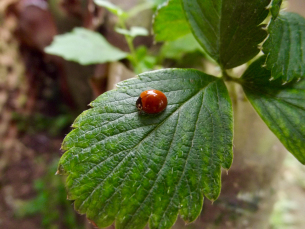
(151, 101)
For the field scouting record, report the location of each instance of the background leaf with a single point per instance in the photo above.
(170, 22)
(133, 32)
(228, 30)
(275, 8)
(281, 107)
(146, 61)
(136, 168)
(85, 47)
(285, 47)
(177, 48)
(111, 7)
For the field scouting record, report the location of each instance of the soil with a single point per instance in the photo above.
(20, 171)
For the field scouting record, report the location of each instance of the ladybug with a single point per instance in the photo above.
(151, 102)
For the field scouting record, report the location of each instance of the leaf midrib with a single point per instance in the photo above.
(186, 161)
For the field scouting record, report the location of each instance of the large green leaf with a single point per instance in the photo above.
(229, 31)
(285, 47)
(85, 47)
(134, 168)
(170, 22)
(282, 107)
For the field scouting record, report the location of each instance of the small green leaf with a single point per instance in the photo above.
(146, 62)
(111, 7)
(85, 47)
(282, 107)
(133, 32)
(158, 2)
(134, 168)
(138, 31)
(275, 8)
(170, 22)
(229, 31)
(285, 47)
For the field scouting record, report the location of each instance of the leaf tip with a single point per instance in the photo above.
(60, 170)
(62, 147)
(186, 222)
(93, 223)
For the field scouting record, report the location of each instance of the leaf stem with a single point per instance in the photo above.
(227, 77)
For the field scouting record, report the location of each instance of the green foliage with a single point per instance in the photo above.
(281, 107)
(123, 15)
(228, 31)
(51, 202)
(135, 168)
(275, 8)
(39, 122)
(157, 2)
(133, 32)
(111, 7)
(85, 47)
(146, 61)
(177, 48)
(285, 47)
(138, 64)
(170, 22)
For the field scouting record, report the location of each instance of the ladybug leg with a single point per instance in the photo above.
(139, 104)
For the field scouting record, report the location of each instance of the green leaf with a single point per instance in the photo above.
(282, 107)
(275, 8)
(169, 22)
(85, 47)
(111, 7)
(177, 48)
(133, 32)
(134, 168)
(229, 31)
(146, 62)
(157, 2)
(285, 47)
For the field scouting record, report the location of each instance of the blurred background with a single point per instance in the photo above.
(41, 95)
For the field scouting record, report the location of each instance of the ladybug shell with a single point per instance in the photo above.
(151, 101)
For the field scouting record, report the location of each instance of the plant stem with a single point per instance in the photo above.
(227, 77)
(129, 41)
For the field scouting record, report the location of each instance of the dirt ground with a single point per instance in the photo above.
(18, 175)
